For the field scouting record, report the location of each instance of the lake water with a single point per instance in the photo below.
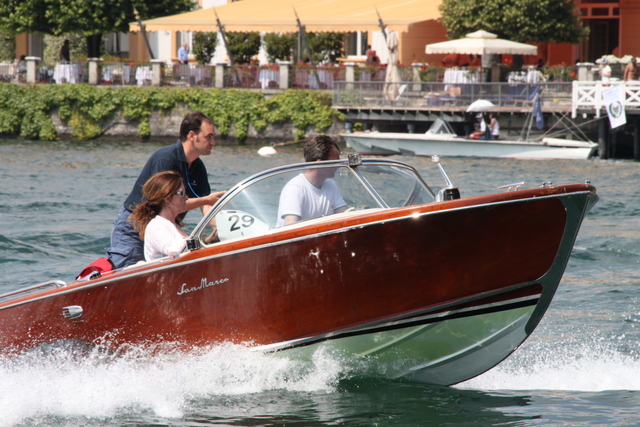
(580, 367)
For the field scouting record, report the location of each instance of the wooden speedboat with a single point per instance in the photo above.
(442, 141)
(424, 285)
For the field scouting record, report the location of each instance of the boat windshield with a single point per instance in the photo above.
(440, 127)
(252, 206)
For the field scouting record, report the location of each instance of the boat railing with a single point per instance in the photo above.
(52, 284)
(516, 95)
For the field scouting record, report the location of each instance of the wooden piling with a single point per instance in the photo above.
(603, 149)
(636, 139)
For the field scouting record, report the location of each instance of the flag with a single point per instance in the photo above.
(537, 112)
(613, 100)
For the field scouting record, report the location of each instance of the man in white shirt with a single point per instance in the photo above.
(479, 133)
(312, 194)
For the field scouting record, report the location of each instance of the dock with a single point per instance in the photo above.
(418, 104)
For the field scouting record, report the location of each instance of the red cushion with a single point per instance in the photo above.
(95, 269)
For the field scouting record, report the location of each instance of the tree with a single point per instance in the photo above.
(7, 47)
(243, 46)
(280, 46)
(77, 47)
(89, 18)
(204, 46)
(326, 47)
(541, 21)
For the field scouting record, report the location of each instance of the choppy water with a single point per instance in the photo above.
(581, 366)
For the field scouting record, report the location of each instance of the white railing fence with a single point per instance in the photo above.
(587, 95)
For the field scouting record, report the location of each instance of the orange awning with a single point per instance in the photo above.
(315, 15)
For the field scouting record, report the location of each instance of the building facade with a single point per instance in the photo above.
(612, 24)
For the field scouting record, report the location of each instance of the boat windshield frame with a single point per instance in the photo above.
(360, 171)
(441, 127)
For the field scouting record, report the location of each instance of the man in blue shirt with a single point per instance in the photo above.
(196, 139)
(183, 54)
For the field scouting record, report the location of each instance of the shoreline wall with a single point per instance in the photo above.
(165, 126)
(84, 112)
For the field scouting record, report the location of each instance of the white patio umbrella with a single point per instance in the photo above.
(392, 77)
(480, 105)
(482, 43)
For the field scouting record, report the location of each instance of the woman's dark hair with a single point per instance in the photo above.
(319, 148)
(192, 122)
(158, 188)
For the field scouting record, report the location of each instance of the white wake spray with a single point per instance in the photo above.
(58, 385)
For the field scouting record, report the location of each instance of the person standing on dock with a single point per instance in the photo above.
(605, 71)
(64, 54)
(196, 139)
(632, 71)
(183, 54)
(183, 60)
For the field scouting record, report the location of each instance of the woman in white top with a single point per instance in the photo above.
(494, 126)
(157, 219)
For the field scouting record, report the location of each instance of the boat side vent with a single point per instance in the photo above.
(355, 160)
(72, 312)
(515, 186)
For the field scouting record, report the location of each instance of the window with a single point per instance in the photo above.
(356, 43)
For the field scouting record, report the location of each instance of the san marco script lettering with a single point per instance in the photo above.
(203, 284)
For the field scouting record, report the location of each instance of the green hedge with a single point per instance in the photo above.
(26, 111)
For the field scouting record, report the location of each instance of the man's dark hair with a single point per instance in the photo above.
(319, 148)
(192, 122)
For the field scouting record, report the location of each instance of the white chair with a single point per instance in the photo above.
(399, 99)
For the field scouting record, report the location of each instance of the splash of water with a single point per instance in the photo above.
(59, 385)
(589, 367)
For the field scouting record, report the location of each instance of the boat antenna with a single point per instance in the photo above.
(226, 46)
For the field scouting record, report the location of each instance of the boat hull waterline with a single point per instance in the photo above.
(384, 144)
(389, 286)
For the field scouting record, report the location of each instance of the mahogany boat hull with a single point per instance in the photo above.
(442, 291)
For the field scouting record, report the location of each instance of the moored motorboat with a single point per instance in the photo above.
(441, 140)
(424, 284)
